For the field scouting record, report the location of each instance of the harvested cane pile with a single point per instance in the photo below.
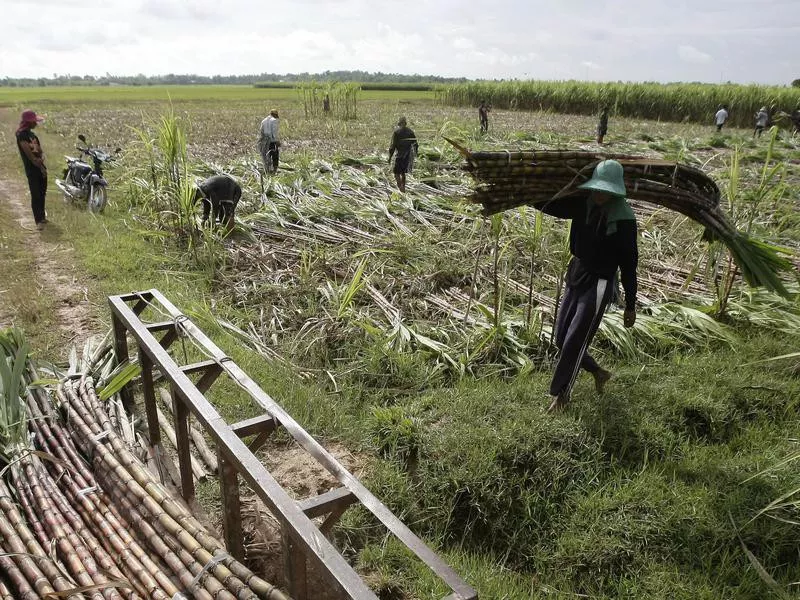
(80, 516)
(507, 179)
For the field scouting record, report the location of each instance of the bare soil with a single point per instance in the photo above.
(55, 274)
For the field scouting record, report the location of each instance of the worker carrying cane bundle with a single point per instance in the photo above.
(602, 241)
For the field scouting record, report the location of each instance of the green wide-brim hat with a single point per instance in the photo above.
(608, 177)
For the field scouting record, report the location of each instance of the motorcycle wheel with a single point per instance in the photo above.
(97, 198)
(68, 182)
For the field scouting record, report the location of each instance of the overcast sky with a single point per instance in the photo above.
(647, 40)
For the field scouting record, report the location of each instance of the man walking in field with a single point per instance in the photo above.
(603, 239)
(762, 119)
(33, 160)
(269, 141)
(602, 125)
(721, 117)
(483, 116)
(404, 142)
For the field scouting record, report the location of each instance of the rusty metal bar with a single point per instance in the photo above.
(170, 336)
(306, 537)
(149, 392)
(121, 354)
(162, 326)
(182, 443)
(260, 424)
(201, 367)
(231, 507)
(294, 568)
(208, 379)
(146, 295)
(327, 460)
(327, 502)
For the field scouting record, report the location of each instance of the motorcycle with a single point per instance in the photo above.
(85, 182)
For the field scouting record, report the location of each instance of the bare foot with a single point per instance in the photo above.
(601, 377)
(559, 403)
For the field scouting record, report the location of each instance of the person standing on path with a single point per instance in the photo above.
(33, 160)
(721, 116)
(603, 239)
(404, 142)
(602, 125)
(762, 119)
(483, 116)
(269, 141)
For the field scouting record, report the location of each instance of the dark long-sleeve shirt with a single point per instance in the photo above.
(403, 140)
(600, 253)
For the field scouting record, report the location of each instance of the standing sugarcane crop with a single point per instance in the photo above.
(602, 240)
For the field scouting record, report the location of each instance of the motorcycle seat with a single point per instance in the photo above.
(79, 163)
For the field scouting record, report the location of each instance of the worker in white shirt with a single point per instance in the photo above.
(762, 120)
(721, 117)
(269, 141)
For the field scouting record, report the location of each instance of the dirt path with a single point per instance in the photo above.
(55, 276)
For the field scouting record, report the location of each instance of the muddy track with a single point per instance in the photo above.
(55, 275)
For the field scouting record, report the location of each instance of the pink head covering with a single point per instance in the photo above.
(27, 119)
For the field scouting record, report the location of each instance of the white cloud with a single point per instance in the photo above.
(658, 40)
(693, 55)
(462, 43)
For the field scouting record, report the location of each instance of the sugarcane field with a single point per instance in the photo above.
(345, 361)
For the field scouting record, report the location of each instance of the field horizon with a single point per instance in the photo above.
(415, 333)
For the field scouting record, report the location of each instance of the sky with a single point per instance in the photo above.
(744, 41)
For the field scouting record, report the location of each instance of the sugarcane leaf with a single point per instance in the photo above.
(73, 361)
(43, 383)
(120, 380)
(762, 572)
(774, 358)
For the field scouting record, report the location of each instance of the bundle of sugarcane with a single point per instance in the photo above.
(89, 520)
(508, 179)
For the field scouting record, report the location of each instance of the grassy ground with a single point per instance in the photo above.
(177, 93)
(642, 493)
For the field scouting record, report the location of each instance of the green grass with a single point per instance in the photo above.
(45, 96)
(626, 496)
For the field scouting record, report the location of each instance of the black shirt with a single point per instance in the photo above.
(600, 254)
(26, 136)
(403, 140)
(220, 188)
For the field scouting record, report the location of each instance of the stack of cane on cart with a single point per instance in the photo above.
(508, 179)
(81, 517)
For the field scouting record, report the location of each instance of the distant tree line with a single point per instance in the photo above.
(190, 79)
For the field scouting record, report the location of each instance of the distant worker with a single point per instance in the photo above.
(721, 117)
(404, 142)
(33, 160)
(269, 141)
(326, 104)
(795, 117)
(483, 115)
(220, 194)
(762, 120)
(603, 238)
(602, 125)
